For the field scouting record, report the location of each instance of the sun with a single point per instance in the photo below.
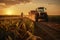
(9, 12)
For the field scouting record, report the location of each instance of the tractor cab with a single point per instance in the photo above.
(41, 9)
(41, 14)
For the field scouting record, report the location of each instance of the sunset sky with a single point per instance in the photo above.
(15, 7)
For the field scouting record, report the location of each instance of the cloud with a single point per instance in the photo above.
(55, 2)
(12, 2)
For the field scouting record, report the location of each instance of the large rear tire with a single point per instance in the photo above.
(36, 19)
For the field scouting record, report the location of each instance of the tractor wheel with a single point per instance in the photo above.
(36, 19)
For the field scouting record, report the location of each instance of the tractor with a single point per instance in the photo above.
(41, 14)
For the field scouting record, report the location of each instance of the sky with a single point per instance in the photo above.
(15, 7)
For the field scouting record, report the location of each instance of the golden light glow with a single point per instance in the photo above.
(9, 12)
(25, 8)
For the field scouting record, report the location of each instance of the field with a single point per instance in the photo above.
(18, 28)
(54, 21)
(54, 18)
(15, 28)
